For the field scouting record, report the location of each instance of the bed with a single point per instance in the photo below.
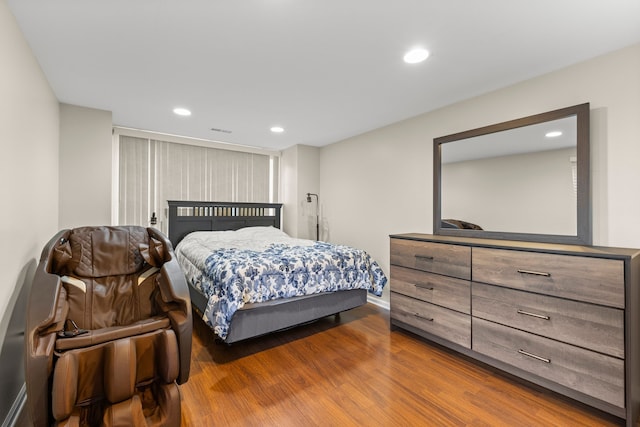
(248, 248)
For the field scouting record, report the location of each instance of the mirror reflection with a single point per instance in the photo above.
(518, 180)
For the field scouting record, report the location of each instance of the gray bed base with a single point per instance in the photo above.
(256, 319)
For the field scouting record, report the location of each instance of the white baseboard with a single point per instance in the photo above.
(379, 302)
(16, 409)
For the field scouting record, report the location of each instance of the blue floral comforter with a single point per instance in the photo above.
(232, 276)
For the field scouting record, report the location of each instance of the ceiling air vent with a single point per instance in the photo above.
(221, 130)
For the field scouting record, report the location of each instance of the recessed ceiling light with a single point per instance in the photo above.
(553, 134)
(277, 129)
(416, 55)
(182, 111)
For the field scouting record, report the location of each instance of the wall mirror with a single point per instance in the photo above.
(525, 179)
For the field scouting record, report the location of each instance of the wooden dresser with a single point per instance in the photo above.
(563, 317)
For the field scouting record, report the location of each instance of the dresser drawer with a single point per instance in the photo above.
(441, 290)
(445, 323)
(589, 326)
(595, 280)
(450, 260)
(588, 372)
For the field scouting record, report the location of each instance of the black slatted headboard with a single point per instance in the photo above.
(187, 216)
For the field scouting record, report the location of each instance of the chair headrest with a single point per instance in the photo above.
(101, 251)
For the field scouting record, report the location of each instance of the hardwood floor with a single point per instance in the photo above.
(354, 371)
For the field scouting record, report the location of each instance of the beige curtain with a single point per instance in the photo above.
(153, 171)
(134, 181)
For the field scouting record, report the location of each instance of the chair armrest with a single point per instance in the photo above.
(46, 313)
(173, 287)
(175, 293)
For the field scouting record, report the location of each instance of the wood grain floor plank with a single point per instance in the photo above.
(354, 371)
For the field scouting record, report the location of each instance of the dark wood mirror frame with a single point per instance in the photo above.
(584, 229)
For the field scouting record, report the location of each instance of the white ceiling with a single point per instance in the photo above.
(324, 70)
(521, 140)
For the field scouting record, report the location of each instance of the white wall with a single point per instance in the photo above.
(289, 190)
(527, 193)
(308, 182)
(29, 173)
(29, 119)
(85, 166)
(381, 182)
(300, 174)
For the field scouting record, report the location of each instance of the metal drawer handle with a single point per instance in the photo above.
(535, 273)
(424, 257)
(533, 356)
(539, 316)
(425, 286)
(428, 319)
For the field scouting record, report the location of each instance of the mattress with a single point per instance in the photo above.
(259, 264)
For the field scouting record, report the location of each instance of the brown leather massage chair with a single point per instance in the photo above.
(108, 330)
